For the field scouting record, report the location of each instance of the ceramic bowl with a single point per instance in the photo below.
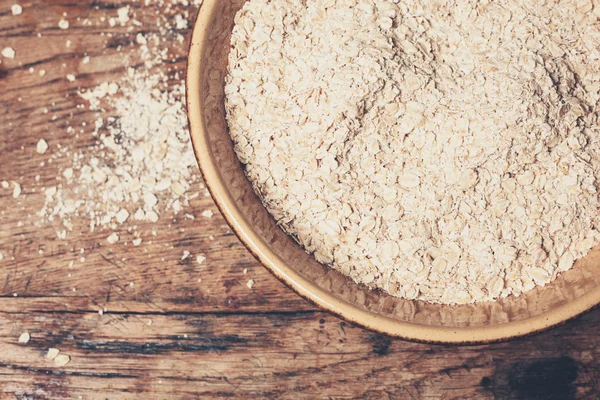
(572, 294)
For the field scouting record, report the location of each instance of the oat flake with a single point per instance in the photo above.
(24, 338)
(60, 360)
(63, 24)
(52, 353)
(113, 238)
(438, 150)
(8, 52)
(41, 146)
(16, 190)
(16, 9)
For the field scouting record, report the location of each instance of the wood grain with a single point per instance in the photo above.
(210, 339)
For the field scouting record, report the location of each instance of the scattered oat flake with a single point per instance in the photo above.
(5, 185)
(52, 353)
(250, 284)
(42, 72)
(24, 338)
(1, 256)
(42, 146)
(200, 259)
(16, 9)
(16, 190)
(63, 24)
(68, 173)
(152, 216)
(207, 214)
(8, 52)
(185, 255)
(180, 22)
(60, 360)
(113, 238)
(71, 77)
(137, 241)
(122, 216)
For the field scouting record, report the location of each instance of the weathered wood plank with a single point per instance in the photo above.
(283, 355)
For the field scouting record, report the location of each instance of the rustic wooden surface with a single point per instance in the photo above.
(168, 336)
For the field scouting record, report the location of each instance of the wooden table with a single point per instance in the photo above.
(164, 334)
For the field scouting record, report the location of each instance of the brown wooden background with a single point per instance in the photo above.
(168, 336)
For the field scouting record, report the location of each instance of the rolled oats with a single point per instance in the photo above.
(24, 338)
(63, 24)
(52, 353)
(16, 9)
(438, 150)
(41, 146)
(60, 360)
(16, 190)
(113, 238)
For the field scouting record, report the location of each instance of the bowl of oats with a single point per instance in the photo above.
(425, 170)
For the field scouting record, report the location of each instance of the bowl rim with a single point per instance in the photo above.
(304, 287)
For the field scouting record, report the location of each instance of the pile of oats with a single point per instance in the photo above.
(438, 150)
(141, 163)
